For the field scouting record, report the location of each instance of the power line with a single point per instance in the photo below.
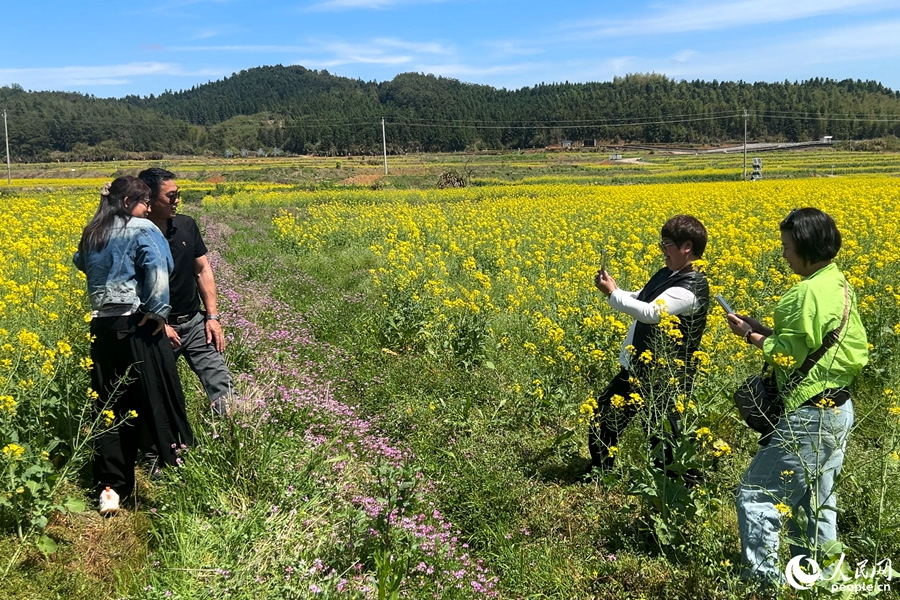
(583, 124)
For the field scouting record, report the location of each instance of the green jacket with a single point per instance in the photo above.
(804, 315)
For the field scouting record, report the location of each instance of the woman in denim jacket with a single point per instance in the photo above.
(127, 263)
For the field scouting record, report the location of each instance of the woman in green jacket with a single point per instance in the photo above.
(795, 472)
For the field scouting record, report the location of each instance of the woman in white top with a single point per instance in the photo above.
(680, 290)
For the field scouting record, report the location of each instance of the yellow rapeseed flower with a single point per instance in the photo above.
(13, 451)
(784, 509)
(720, 448)
(8, 405)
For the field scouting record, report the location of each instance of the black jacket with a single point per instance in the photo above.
(650, 336)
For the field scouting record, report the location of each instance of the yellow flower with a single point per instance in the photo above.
(86, 363)
(589, 407)
(720, 448)
(109, 417)
(617, 401)
(784, 361)
(825, 403)
(613, 450)
(784, 509)
(8, 404)
(132, 414)
(13, 451)
(703, 434)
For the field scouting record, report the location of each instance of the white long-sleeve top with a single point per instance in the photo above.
(678, 301)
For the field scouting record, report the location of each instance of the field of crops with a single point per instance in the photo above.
(492, 267)
(464, 324)
(413, 171)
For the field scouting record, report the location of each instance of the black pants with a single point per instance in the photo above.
(134, 370)
(610, 422)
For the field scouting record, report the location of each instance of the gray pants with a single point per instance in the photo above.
(207, 362)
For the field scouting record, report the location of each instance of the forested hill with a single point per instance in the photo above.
(304, 111)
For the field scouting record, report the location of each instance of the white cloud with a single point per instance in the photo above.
(513, 48)
(241, 48)
(206, 33)
(877, 40)
(836, 53)
(336, 5)
(711, 16)
(684, 56)
(60, 77)
(457, 70)
(379, 51)
(427, 48)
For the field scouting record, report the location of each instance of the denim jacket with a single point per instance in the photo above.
(131, 273)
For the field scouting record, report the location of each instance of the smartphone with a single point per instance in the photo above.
(728, 310)
(602, 260)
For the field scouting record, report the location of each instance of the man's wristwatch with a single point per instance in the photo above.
(212, 317)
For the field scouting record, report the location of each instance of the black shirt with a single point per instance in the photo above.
(186, 246)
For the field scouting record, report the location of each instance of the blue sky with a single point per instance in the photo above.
(113, 49)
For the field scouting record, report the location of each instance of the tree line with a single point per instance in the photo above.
(303, 111)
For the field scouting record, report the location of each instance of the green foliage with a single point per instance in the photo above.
(305, 111)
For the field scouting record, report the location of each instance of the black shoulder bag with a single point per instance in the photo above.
(757, 398)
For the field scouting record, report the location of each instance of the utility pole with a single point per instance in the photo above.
(6, 134)
(745, 144)
(384, 145)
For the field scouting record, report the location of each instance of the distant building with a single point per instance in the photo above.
(826, 139)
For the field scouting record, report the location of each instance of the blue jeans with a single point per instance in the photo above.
(794, 475)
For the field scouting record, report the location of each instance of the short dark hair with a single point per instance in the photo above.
(685, 228)
(814, 233)
(153, 177)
